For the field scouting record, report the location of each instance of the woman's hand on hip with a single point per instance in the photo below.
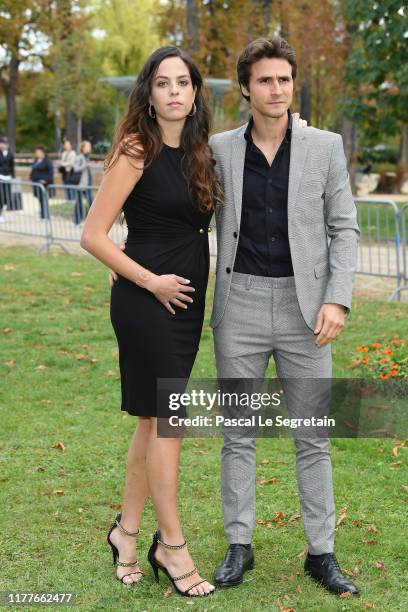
(170, 289)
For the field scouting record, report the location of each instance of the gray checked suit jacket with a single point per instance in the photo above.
(322, 218)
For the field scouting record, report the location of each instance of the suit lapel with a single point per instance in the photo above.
(238, 149)
(298, 154)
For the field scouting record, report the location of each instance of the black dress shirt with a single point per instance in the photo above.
(263, 247)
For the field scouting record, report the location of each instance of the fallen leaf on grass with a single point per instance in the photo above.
(41, 367)
(7, 330)
(265, 461)
(345, 595)
(273, 480)
(405, 487)
(59, 445)
(371, 542)
(109, 373)
(372, 528)
(302, 552)
(369, 605)
(379, 565)
(395, 465)
(10, 363)
(168, 592)
(342, 517)
(77, 273)
(9, 267)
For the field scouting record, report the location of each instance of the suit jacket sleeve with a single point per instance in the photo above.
(342, 228)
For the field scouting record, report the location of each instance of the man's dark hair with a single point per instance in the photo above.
(257, 50)
(41, 148)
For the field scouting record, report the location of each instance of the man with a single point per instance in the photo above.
(6, 174)
(280, 290)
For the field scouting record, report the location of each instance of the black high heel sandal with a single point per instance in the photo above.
(115, 551)
(157, 566)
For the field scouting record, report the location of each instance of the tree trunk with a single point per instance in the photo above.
(9, 76)
(349, 134)
(71, 132)
(79, 131)
(305, 95)
(266, 6)
(193, 27)
(57, 131)
(404, 148)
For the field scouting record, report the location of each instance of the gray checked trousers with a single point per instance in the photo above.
(263, 319)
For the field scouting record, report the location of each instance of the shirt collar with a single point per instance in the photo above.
(248, 135)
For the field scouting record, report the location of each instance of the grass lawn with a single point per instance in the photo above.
(60, 384)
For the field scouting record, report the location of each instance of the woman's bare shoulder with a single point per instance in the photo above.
(129, 152)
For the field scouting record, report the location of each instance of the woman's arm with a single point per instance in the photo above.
(116, 185)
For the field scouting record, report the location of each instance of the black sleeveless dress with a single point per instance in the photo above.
(167, 234)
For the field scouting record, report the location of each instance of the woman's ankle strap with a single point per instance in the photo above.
(170, 546)
(129, 533)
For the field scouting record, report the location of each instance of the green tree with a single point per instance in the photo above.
(127, 34)
(377, 70)
(71, 66)
(18, 43)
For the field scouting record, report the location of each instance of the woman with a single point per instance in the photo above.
(82, 167)
(42, 172)
(66, 168)
(160, 170)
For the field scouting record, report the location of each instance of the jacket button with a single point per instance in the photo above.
(235, 234)
(228, 270)
(201, 230)
(209, 229)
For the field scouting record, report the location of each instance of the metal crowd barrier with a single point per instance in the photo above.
(403, 284)
(25, 210)
(56, 215)
(69, 205)
(379, 248)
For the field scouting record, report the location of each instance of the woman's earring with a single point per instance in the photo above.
(152, 112)
(194, 109)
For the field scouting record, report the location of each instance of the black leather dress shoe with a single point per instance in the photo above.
(325, 570)
(239, 559)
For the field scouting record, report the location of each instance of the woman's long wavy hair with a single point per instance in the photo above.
(138, 131)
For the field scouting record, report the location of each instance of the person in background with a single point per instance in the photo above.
(66, 168)
(6, 174)
(42, 172)
(82, 165)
